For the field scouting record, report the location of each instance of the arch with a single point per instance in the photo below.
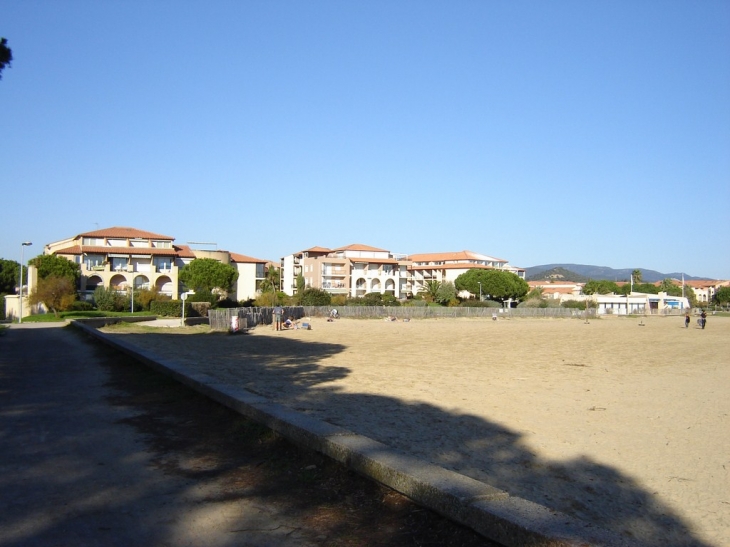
(141, 282)
(389, 285)
(164, 285)
(118, 282)
(360, 287)
(375, 285)
(93, 282)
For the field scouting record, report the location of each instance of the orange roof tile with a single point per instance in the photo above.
(457, 255)
(359, 247)
(243, 259)
(124, 232)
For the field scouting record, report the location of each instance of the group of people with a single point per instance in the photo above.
(701, 321)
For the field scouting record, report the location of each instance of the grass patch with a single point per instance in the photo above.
(64, 315)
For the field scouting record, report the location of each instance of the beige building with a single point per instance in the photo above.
(120, 257)
(354, 270)
(357, 269)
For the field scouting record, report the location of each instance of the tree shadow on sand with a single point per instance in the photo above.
(290, 372)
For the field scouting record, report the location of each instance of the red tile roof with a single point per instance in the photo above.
(118, 232)
(360, 247)
(243, 259)
(458, 255)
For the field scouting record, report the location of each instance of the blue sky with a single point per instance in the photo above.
(537, 132)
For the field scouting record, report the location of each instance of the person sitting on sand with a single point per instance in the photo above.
(290, 323)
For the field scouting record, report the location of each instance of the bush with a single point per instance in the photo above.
(575, 304)
(145, 297)
(203, 295)
(315, 297)
(227, 303)
(108, 299)
(169, 308)
(81, 305)
(482, 304)
(338, 300)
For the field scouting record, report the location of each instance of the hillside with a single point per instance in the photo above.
(584, 272)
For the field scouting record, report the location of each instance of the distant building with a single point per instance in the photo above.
(354, 270)
(120, 257)
(358, 269)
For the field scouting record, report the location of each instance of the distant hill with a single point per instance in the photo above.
(557, 274)
(580, 273)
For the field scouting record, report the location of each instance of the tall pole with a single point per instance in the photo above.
(480, 290)
(20, 288)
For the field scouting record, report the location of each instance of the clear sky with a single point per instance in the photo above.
(537, 132)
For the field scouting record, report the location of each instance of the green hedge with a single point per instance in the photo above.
(170, 308)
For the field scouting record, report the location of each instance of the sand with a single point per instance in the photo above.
(620, 421)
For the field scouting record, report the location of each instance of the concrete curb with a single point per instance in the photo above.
(489, 511)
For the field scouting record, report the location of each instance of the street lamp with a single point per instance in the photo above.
(480, 290)
(20, 288)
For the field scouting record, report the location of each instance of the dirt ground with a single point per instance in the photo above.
(619, 421)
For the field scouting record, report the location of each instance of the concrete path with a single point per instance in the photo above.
(72, 474)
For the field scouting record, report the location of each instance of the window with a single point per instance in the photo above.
(119, 263)
(92, 241)
(94, 261)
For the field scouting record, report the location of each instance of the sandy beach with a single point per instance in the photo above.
(620, 421)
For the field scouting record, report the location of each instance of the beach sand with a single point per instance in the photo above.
(624, 422)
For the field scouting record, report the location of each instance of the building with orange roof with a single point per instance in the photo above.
(353, 270)
(358, 269)
(122, 257)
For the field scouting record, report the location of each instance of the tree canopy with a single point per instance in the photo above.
(6, 55)
(57, 293)
(495, 284)
(53, 265)
(9, 276)
(208, 274)
(722, 295)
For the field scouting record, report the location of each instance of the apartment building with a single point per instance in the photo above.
(121, 257)
(357, 269)
(354, 270)
(443, 267)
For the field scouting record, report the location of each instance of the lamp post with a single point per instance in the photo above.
(480, 290)
(20, 285)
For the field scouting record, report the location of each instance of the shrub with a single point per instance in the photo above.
(203, 295)
(227, 303)
(81, 305)
(339, 300)
(482, 304)
(315, 297)
(575, 304)
(169, 308)
(108, 299)
(145, 297)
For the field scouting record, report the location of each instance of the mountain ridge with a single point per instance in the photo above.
(604, 272)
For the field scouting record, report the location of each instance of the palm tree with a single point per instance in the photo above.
(430, 289)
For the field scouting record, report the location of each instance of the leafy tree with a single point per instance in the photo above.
(496, 284)
(601, 287)
(9, 276)
(315, 297)
(57, 266)
(668, 286)
(636, 275)
(208, 274)
(54, 292)
(301, 284)
(6, 55)
(446, 294)
(722, 295)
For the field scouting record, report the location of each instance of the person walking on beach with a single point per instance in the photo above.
(278, 312)
(686, 320)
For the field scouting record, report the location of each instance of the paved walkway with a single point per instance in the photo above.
(72, 474)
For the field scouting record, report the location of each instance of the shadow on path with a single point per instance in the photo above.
(289, 371)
